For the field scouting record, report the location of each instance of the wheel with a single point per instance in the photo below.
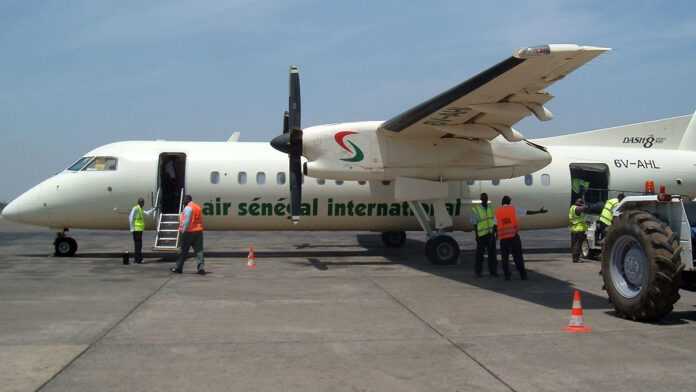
(585, 250)
(442, 250)
(65, 247)
(641, 266)
(394, 239)
(588, 253)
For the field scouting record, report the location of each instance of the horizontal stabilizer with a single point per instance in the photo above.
(675, 133)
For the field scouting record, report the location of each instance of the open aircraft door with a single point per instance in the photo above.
(171, 187)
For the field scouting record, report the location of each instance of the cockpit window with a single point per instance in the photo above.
(102, 164)
(80, 164)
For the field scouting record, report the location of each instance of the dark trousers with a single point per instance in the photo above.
(601, 231)
(512, 245)
(187, 240)
(138, 245)
(576, 240)
(486, 244)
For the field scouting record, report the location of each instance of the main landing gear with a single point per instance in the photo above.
(440, 248)
(63, 245)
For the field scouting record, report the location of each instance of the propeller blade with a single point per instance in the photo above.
(294, 104)
(295, 188)
(286, 126)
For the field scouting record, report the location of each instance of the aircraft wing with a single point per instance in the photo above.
(488, 104)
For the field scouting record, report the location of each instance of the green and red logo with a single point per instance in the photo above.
(353, 149)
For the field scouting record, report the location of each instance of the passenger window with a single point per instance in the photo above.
(495, 182)
(81, 163)
(386, 183)
(321, 181)
(214, 177)
(260, 178)
(528, 180)
(280, 178)
(362, 182)
(339, 182)
(102, 164)
(241, 178)
(545, 180)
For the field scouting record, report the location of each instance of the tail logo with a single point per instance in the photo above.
(355, 151)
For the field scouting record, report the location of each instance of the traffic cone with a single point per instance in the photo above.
(577, 323)
(251, 258)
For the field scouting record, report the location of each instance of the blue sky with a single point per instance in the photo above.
(79, 74)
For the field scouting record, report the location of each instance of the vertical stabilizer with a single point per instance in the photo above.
(688, 141)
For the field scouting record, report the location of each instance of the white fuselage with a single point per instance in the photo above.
(103, 199)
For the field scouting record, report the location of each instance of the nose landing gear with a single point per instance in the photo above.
(63, 245)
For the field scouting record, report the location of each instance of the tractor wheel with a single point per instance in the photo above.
(641, 266)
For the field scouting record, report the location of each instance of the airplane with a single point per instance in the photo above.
(422, 169)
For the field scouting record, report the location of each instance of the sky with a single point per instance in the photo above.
(77, 74)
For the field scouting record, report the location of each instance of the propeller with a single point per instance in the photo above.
(290, 142)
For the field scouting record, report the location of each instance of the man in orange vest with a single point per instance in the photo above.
(191, 234)
(508, 233)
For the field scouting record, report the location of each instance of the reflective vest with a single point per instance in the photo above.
(139, 221)
(196, 223)
(577, 222)
(608, 211)
(484, 220)
(506, 218)
(578, 183)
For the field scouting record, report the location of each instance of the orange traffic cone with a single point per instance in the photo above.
(251, 258)
(577, 323)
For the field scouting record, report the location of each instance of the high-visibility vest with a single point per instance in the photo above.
(608, 211)
(577, 183)
(139, 221)
(196, 223)
(484, 220)
(506, 219)
(577, 222)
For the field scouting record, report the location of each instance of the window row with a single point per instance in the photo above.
(528, 180)
(280, 179)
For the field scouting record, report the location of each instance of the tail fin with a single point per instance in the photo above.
(688, 141)
(675, 133)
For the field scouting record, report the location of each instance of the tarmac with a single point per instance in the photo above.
(321, 312)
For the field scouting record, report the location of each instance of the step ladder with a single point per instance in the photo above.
(167, 238)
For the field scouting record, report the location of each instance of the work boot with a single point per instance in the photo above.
(201, 272)
(175, 270)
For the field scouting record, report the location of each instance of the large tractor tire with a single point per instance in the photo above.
(641, 266)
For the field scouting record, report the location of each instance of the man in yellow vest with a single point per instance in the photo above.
(508, 234)
(607, 215)
(483, 220)
(136, 221)
(578, 228)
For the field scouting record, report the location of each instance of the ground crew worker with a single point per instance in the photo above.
(578, 228)
(508, 233)
(191, 229)
(607, 215)
(136, 221)
(483, 219)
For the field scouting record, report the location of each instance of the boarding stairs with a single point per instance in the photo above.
(167, 237)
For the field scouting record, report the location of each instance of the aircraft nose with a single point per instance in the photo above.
(31, 207)
(20, 210)
(11, 211)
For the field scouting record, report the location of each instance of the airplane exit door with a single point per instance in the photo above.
(171, 180)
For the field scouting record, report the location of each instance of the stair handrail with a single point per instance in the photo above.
(181, 200)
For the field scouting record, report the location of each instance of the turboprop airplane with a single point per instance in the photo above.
(422, 169)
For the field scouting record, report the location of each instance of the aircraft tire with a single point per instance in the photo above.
(442, 250)
(65, 247)
(641, 266)
(587, 253)
(394, 239)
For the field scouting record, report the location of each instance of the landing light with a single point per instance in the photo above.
(533, 51)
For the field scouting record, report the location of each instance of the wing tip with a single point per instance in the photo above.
(550, 49)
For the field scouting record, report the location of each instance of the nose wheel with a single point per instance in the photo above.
(442, 250)
(64, 246)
